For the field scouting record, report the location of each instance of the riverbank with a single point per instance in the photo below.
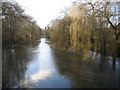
(83, 53)
(21, 45)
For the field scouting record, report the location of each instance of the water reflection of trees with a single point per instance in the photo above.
(99, 72)
(13, 67)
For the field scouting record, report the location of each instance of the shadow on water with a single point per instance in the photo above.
(41, 67)
(13, 67)
(88, 73)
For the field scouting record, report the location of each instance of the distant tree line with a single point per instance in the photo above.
(88, 26)
(17, 27)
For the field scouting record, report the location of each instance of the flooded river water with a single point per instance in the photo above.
(42, 67)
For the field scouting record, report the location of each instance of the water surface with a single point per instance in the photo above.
(40, 66)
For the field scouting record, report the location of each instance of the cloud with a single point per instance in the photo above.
(44, 11)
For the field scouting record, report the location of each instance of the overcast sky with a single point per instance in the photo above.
(44, 11)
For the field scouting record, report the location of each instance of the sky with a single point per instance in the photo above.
(43, 11)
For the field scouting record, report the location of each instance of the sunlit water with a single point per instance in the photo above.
(42, 67)
(42, 71)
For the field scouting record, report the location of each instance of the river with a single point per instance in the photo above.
(40, 66)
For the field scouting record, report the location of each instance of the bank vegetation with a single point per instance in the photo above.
(88, 26)
(17, 27)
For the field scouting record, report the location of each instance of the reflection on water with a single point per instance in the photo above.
(41, 67)
(40, 75)
(100, 72)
